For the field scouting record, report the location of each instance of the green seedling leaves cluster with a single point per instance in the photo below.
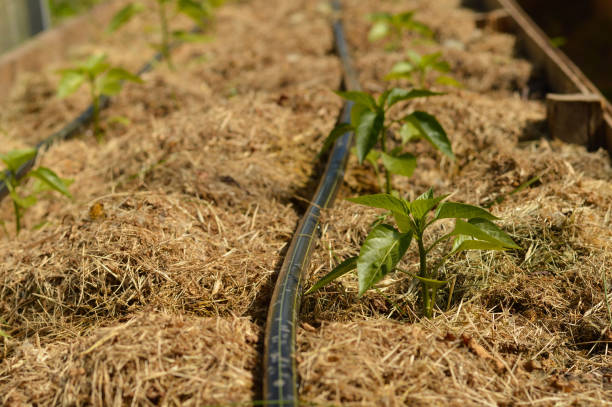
(417, 68)
(45, 180)
(102, 79)
(387, 25)
(200, 11)
(371, 124)
(385, 245)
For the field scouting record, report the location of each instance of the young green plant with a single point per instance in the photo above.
(371, 123)
(46, 180)
(385, 245)
(198, 11)
(102, 79)
(392, 26)
(418, 67)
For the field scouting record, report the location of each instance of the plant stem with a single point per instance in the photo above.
(165, 48)
(383, 142)
(425, 294)
(17, 218)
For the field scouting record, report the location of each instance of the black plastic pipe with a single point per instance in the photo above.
(280, 370)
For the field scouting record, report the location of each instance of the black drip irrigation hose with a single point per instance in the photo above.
(280, 370)
(71, 129)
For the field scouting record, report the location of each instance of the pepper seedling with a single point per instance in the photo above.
(102, 78)
(393, 25)
(46, 180)
(418, 67)
(371, 124)
(385, 245)
(198, 11)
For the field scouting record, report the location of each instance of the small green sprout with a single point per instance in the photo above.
(46, 180)
(417, 68)
(198, 11)
(385, 245)
(393, 25)
(103, 79)
(371, 124)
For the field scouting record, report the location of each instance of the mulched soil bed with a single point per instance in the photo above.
(151, 286)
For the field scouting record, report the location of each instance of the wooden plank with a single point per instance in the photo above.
(52, 45)
(562, 74)
(575, 118)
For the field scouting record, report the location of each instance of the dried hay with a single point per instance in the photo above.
(152, 359)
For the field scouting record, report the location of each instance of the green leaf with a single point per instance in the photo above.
(111, 83)
(382, 250)
(431, 283)
(334, 135)
(448, 81)
(340, 270)
(14, 159)
(360, 98)
(382, 201)
(403, 164)
(379, 30)
(449, 210)
(400, 70)
(431, 131)
(193, 9)
(186, 36)
(494, 231)
(70, 82)
(463, 243)
(404, 222)
(123, 16)
(51, 179)
(95, 65)
(420, 207)
(22, 202)
(408, 132)
(367, 133)
(398, 95)
(421, 28)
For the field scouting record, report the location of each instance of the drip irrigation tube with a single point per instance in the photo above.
(280, 374)
(71, 129)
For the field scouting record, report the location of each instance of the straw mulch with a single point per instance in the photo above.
(183, 215)
(525, 327)
(152, 359)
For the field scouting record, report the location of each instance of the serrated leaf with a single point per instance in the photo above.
(14, 159)
(450, 210)
(379, 30)
(70, 82)
(431, 131)
(334, 135)
(382, 250)
(403, 164)
(382, 201)
(367, 132)
(360, 98)
(340, 270)
(398, 95)
(50, 178)
(123, 16)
